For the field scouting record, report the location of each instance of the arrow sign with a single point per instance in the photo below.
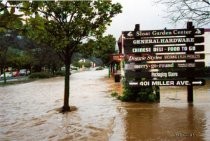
(198, 82)
(146, 83)
(167, 32)
(199, 31)
(129, 34)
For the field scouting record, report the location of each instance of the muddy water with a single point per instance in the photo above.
(171, 119)
(29, 112)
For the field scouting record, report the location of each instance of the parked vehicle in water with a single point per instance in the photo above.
(7, 75)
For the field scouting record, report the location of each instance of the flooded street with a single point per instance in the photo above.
(29, 112)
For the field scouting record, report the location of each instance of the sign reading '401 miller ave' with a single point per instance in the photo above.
(141, 48)
(168, 83)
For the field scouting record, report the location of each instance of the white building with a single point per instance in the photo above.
(207, 46)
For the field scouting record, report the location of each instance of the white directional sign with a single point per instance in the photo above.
(146, 83)
(166, 32)
(133, 66)
(148, 57)
(158, 41)
(163, 49)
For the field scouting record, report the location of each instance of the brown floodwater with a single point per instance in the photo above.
(29, 112)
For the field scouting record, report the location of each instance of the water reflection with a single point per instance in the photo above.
(172, 119)
(152, 122)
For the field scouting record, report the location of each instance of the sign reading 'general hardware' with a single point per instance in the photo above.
(156, 41)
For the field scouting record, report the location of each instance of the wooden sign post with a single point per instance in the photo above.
(190, 87)
(164, 57)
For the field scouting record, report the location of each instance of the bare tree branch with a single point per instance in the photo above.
(197, 11)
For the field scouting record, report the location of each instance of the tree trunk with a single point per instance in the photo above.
(66, 106)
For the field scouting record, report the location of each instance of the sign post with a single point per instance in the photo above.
(190, 87)
(164, 57)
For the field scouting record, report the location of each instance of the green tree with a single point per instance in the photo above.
(86, 49)
(7, 39)
(63, 25)
(45, 56)
(101, 48)
(17, 58)
(105, 47)
(8, 18)
(182, 10)
(10, 23)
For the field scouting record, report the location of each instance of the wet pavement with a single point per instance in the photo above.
(29, 112)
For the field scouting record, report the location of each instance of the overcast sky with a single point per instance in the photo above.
(147, 13)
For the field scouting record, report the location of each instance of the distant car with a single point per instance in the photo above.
(22, 72)
(15, 73)
(7, 74)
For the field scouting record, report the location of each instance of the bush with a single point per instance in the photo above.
(114, 94)
(60, 73)
(40, 75)
(87, 64)
(140, 94)
(77, 64)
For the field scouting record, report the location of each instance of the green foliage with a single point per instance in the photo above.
(142, 94)
(114, 94)
(45, 56)
(18, 58)
(40, 75)
(100, 48)
(7, 40)
(86, 64)
(59, 73)
(8, 18)
(66, 23)
(77, 64)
